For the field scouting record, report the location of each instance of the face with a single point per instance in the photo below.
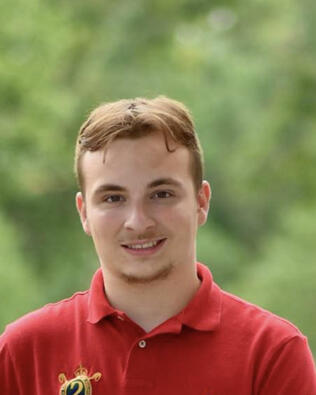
(141, 208)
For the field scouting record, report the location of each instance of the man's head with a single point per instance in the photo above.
(140, 170)
(135, 118)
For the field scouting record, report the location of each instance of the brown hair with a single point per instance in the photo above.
(133, 118)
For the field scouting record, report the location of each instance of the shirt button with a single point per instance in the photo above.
(142, 344)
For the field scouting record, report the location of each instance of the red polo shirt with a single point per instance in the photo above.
(218, 345)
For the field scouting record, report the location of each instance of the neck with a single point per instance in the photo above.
(150, 304)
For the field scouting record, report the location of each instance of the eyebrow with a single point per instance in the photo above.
(165, 181)
(109, 187)
(153, 184)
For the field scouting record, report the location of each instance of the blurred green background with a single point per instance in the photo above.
(247, 71)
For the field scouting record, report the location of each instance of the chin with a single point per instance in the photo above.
(146, 278)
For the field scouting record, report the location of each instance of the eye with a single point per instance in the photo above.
(162, 195)
(113, 199)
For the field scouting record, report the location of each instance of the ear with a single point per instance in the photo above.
(82, 211)
(203, 200)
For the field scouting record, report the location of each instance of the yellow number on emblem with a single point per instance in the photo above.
(80, 387)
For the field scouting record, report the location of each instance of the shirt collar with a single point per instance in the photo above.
(204, 310)
(98, 304)
(202, 313)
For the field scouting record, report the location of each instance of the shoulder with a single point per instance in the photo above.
(240, 318)
(253, 322)
(273, 344)
(40, 323)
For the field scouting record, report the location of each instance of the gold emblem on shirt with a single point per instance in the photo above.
(80, 384)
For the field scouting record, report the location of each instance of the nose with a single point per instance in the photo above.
(138, 219)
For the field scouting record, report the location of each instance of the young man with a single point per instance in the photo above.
(153, 321)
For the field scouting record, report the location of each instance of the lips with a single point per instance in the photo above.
(141, 247)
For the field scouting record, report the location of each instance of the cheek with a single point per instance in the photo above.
(103, 223)
(183, 219)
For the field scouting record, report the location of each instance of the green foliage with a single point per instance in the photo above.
(224, 255)
(245, 69)
(19, 289)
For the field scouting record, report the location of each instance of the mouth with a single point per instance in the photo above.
(145, 247)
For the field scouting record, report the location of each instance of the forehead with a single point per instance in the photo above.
(137, 160)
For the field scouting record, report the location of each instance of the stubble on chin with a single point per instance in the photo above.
(161, 274)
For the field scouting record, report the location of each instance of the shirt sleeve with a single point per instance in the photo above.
(291, 370)
(8, 379)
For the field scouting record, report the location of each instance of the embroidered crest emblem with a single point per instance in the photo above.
(80, 384)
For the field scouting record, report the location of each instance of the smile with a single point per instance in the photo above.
(146, 247)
